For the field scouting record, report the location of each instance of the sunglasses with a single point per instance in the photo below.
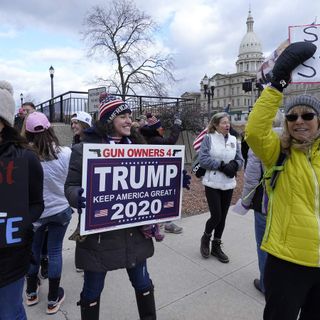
(305, 116)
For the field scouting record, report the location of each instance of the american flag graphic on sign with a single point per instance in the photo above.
(168, 204)
(101, 213)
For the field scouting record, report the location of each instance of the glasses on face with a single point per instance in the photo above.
(305, 116)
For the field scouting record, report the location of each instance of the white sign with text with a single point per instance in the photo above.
(309, 71)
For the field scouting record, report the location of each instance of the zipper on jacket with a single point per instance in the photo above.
(99, 238)
(316, 200)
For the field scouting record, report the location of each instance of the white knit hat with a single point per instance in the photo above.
(7, 105)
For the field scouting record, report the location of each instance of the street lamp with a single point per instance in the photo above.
(51, 105)
(51, 71)
(209, 87)
(21, 98)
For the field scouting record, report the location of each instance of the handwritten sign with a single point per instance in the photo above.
(93, 98)
(14, 206)
(130, 185)
(309, 71)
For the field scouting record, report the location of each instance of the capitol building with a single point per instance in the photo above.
(237, 92)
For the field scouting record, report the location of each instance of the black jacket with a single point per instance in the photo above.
(110, 250)
(15, 261)
(153, 137)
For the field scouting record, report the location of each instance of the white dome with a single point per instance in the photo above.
(250, 44)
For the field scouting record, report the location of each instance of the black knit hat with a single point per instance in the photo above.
(304, 100)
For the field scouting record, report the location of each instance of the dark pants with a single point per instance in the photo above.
(290, 288)
(219, 202)
(94, 281)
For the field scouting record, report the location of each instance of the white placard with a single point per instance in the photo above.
(93, 98)
(309, 71)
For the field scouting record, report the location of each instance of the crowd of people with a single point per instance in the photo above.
(281, 185)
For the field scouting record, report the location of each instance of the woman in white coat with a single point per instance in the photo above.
(220, 155)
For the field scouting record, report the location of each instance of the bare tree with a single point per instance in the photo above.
(125, 34)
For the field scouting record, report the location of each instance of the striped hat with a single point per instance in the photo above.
(153, 122)
(110, 107)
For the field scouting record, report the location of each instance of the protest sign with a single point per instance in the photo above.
(14, 207)
(309, 71)
(93, 98)
(130, 185)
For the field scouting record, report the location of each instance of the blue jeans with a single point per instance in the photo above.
(11, 304)
(57, 227)
(94, 281)
(260, 226)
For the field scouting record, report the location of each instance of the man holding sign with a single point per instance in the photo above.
(17, 164)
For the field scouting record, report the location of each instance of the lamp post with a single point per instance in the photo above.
(21, 98)
(209, 87)
(51, 71)
(51, 107)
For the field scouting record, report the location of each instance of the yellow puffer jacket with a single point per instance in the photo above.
(293, 224)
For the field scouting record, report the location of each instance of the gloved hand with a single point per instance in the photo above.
(186, 180)
(295, 54)
(81, 201)
(230, 168)
(177, 122)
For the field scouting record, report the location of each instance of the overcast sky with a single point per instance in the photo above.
(203, 35)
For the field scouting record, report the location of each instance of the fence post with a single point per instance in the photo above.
(61, 109)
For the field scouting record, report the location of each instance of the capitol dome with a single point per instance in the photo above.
(250, 51)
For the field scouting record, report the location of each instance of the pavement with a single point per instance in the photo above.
(187, 286)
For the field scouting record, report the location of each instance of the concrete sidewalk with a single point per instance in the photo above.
(187, 287)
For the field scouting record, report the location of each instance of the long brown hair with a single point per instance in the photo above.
(46, 144)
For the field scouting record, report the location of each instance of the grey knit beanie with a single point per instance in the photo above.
(7, 105)
(304, 100)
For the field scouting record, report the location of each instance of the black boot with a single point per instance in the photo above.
(146, 304)
(205, 245)
(217, 252)
(89, 310)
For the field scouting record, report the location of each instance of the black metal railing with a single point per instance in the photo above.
(60, 108)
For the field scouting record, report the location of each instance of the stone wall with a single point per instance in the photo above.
(64, 133)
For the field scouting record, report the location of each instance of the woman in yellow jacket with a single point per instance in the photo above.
(292, 236)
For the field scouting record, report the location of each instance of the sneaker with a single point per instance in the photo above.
(54, 306)
(44, 268)
(172, 228)
(33, 285)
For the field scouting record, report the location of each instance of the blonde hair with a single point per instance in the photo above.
(215, 120)
(287, 141)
